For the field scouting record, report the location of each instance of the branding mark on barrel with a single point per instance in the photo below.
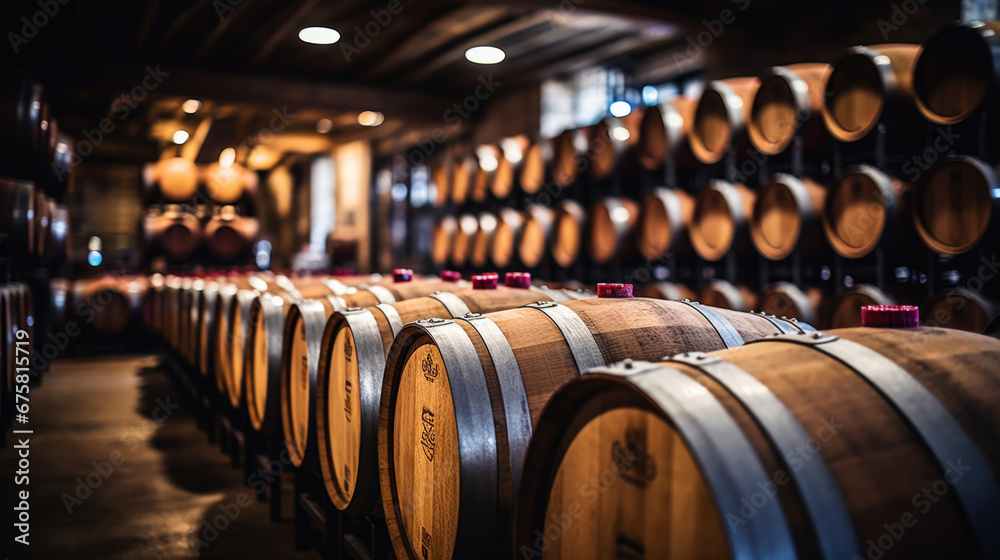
(348, 349)
(347, 400)
(631, 459)
(425, 543)
(427, 437)
(429, 368)
(627, 549)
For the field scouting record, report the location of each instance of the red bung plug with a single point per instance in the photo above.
(890, 316)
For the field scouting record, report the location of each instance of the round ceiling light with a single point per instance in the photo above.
(370, 118)
(191, 106)
(180, 137)
(485, 55)
(319, 35)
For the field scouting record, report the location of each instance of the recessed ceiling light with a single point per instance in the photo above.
(319, 35)
(180, 137)
(620, 109)
(191, 106)
(324, 125)
(485, 55)
(370, 118)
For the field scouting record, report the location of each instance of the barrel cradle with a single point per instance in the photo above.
(460, 399)
(352, 361)
(760, 452)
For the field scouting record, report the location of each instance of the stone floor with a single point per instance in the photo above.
(91, 413)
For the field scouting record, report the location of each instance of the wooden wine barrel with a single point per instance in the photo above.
(481, 179)
(667, 290)
(482, 241)
(956, 207)
(956, 73)
(533, 164)
(606, 144)
(567, 150)
(57, 245)
(536, 235)
(230, 237)
(42, 223)
(787, 215)
(226, 184)
(506, 237)
(58, 178)
(845, 308)
(20, 119)
(17, 221)
(737, 454)
(176, 232)
(785, 299)
(721, 219)
(664, 133)
(60, 302)
(960, 308)
(864, 209)
(725, 294)
(184, 298)
(110, 304)
(869, 85)
(720, 117)
(502, 184)
(461, 246)
(301, 334)
(178, 179)
(664, 222)
(442, 238)
(441, 179)
(352, 360)
(788, 102)
(568, 232)
(448, 467)
(612, 227)
(461, 179)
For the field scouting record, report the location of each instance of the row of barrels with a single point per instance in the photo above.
(32, 224)
(179, 233)
(32, 148)
(947, 80)
(17, 320)
(952, 210)
(180, 180)
(960, 307)
(462, 414)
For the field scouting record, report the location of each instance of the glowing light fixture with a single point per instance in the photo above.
(191, 106)
(228, 157)
(324, 125)
(370, 118)
(620, 109)
(319, 35)
(181, 136)
(620, 133)
(485, 55)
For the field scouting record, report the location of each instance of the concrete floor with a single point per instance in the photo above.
(168, 483)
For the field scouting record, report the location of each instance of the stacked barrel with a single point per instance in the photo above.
(199, 213)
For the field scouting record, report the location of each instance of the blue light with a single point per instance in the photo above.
(95, 258)
(650, 95)
(996, 193)
(31, 321)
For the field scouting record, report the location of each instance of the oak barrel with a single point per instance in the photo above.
(460, 398)
(461, 245)
(865, 208)
(667, 290)
(612, 222)
(725, 294)
(664, 222)
(442, 238)
(720, 118)
(536, 234)
(956, 207)
(854, 443)
(534, 161)
(960, 308)
(845, 307)
(956, 73)
(721, 219)
(178, 178)
(785, 299)
(568, 232)
(230, 237)
(789, 102)
(664, 131)
(787, 215)
(506, 237)
(482, 241)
